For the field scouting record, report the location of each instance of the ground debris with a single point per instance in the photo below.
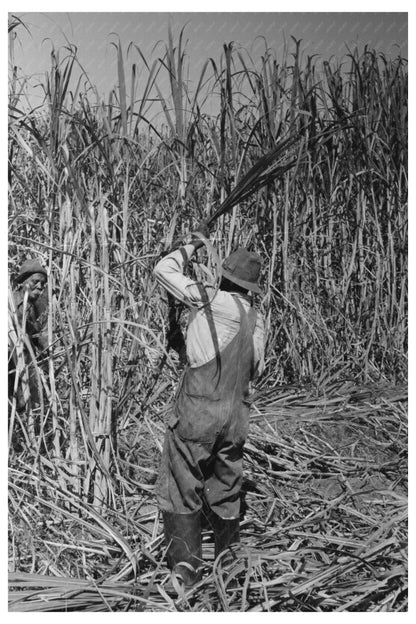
(324, 519)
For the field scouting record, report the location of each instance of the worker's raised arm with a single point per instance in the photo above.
(169, 271)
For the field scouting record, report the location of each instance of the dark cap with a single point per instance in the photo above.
(28, 268)
(243, 268)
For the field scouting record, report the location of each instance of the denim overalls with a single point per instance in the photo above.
(203, 448)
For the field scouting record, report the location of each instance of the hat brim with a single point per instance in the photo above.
(23, 276)
(252, 286)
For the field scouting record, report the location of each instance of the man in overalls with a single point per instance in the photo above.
(203, 449)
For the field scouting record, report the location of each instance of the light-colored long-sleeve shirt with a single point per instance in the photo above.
(200, 346)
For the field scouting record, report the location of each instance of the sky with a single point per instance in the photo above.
(326, 34)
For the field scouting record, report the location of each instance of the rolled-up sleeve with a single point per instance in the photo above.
(169, 273)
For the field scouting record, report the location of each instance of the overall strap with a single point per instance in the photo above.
(249, 317)
(211, 324)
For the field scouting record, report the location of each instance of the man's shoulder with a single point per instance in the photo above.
(219, 296)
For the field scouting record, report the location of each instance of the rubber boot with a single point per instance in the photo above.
(183, 539)
(226, 532)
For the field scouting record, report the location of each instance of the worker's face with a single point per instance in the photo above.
(34, 286)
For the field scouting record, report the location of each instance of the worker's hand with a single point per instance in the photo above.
(203, 229)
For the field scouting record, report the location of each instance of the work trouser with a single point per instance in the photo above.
(203, 449)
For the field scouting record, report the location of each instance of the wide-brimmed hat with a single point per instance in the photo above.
(28, 268)
(243, 268)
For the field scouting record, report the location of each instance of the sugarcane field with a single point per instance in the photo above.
(207, 312)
